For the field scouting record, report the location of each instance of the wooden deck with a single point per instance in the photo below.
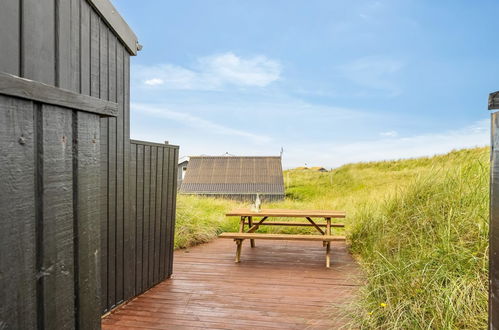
(278, 285)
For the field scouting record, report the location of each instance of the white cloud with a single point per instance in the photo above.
(389, 134)
(198, 123)
(333, 155)
(211, 73)
(154, 82)
(257, 71)
(327, 154)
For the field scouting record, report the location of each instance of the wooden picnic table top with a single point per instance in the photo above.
(283, 213)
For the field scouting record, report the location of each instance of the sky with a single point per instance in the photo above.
(329, 82)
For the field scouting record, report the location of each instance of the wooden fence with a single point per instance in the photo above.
(138, 250)
(86, 215)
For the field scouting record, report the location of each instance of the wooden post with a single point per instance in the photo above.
(250, 223)
(494, 216)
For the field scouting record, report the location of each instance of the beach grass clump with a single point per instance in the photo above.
(424, 251)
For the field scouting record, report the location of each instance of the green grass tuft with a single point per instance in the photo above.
(425, 252)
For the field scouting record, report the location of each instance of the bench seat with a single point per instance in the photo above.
(292, 237)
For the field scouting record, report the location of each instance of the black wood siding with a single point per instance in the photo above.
(48, 216)
(149, 234)
(494, 221)
(65, 214)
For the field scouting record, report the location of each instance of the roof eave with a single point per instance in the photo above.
(119, 26)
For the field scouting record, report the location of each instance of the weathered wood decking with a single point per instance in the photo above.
(278, 285)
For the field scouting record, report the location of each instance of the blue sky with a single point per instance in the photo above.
(331, 82)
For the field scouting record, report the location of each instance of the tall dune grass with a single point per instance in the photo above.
(418, 228)
(425, 252)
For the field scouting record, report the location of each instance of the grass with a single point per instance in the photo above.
(418, 227)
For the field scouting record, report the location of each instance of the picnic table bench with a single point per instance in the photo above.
(247, 219)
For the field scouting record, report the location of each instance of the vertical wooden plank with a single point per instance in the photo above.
(164, 254)
(94, 54)
(126, 94)
(152, 214)
(85, 47)
(140, 219)
(157, 217)
(74, 48)
(17, 214)
(111, 52)
(120, 184)
(129, 223)
(129, 220)
(10, 37)
(103, 39)
(111, 228)
(38, 40)
(169, 222)
(87, 176)
(173, 203)
(105, 156)
(147, 205)
(494, 224)
(112, 162)
(58, 236)
(104, 192)
(130, 226)
(63, 45)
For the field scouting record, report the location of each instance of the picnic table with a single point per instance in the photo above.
(253, 220)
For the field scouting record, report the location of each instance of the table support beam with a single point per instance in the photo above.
(255, 226)
(315, 225)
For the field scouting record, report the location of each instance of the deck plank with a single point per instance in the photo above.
(280, 285)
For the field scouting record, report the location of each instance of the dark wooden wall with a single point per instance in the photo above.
(148, 242)
(67, 44)
(137, 252)
(494, 215)
(49, 212)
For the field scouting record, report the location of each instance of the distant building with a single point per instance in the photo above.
(315, 168)
(182, 169)
(234, 177)
(318, 169)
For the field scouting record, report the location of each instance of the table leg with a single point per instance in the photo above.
(239, 243)
(250, 224)
(328, 244)
(328, 257)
